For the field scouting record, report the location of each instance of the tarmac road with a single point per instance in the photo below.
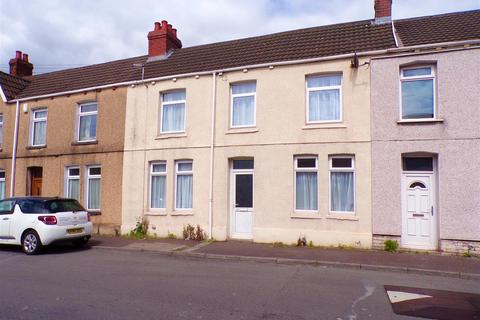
(112, 284)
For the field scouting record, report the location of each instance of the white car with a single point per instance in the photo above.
(33, 222)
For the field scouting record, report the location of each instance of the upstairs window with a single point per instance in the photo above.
(243, 104)
(1, 129)
(324, 98)
(306, 184)
(418, 93)
(173, 112)
(87, 122)
(38, 128)
(342, 184)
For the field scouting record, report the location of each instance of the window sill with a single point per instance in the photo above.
(181, 213)
(327, 125)
(241, 130)
(81, 143)
(305, 215)
(36, 147)
(416, 121)
(162, 136)
(342, 216)
(94, 213)
(156, 213)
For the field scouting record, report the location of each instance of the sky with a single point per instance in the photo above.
(60, 34)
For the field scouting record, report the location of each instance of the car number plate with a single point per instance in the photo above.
(75, 230)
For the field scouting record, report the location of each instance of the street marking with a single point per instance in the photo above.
(399, 296)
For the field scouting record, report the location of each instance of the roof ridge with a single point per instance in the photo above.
(437, 15)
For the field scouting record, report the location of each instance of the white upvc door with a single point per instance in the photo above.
(419, 217)
(241, 221)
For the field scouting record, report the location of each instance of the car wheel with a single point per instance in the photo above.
(80, 242)
(31, 243)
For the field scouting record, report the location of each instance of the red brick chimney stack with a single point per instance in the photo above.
(19, 66)
(383, 11)
(162, 40)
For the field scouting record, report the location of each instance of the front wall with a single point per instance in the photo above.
(455, 142)
(280, 134)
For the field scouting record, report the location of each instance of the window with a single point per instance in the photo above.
(173, 112)
(87, 122)
(243, 104)
(94, 176)
(342, 184)
(72, 183)
(38, 128)
(2, 184)
(158, 176)
(306, 185)
(184, 184)
(418, 93)
(1, 129)
(324, 98)
(418, 164)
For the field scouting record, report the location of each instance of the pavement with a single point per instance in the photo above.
(406, 262)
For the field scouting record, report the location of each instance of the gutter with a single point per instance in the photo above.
(14, 151)
(262, 65)
(212, 160)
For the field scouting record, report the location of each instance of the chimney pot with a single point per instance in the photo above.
(25, 57)
(18, 54)
(157, 26)
(164, 24)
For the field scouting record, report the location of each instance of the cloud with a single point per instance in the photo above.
(59, 34)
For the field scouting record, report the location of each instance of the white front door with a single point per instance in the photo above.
(419, 216)
(242, 204)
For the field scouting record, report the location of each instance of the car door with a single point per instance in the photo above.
(6, 214)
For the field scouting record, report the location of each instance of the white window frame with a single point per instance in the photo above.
(156, 174)
(239, 95)
(350, 169)
(162, 103)
(5, 183)
(432, 76)
(34, 121)
(93, 176)
(183, 173)
(68, 178)
(83, 114)
(314, 89)
(296, 170)
(1, 129)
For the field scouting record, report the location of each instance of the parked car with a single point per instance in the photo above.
(33, 222)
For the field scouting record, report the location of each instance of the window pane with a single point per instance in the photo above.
(324, 105)
(184, 192)
(2, 174)
(184, 166)
(417, 184)
(307, 163)
(88, 127)
(173, 96)
(239, 88)
(94, 193)
(1, 118)
(324, 81)
(341, 162)
(1, 133)
(243, 190)
(95, 171)
(243, 111)
(2, 189)
(74, 172)
(73, 189)
(342, 191)
(40, 114)
(242, 164)
(88, 107)
(306, 191)
(417, 72)
(157, 193)
(417, 99)
(39, 132)
(418, 164)
(173, 117)
(160, 167)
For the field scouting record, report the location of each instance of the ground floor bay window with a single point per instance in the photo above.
(306, 184)
(342, 184)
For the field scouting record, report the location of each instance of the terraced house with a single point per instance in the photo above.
(266, 138)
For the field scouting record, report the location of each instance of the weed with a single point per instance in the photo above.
(171, 235)
(191, 232)
(310, 244)
(141, 228)
(391, 245)
(278, 244)
(467, 254)
(301, 242)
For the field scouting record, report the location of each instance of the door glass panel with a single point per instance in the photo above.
(417, 184)
(418, 164)
(244, 191)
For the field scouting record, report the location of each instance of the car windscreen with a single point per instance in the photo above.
(63, 205)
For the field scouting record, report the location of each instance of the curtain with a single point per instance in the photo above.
(39, 133)
(243, 111)
(184, 191)
(94, 193)
(157, 196)
(306, 191)
(88, 127)
(2, 189)
(173, 117)
(73, 189)
(342, 191)
(324, 105)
